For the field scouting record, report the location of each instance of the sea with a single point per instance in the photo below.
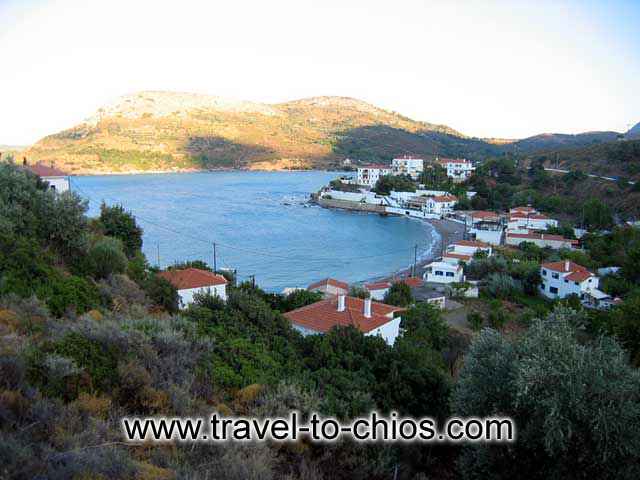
(262, 226)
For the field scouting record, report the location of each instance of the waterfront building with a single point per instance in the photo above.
(443, 272)
(516, 237)
(189, 281)
(57, 179)
(369, 175)
(458, 169)
(371, 318)
(329, 287)
(407, 165)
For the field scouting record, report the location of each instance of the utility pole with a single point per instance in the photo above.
(215, 260)
(158, 254)
(415, 260)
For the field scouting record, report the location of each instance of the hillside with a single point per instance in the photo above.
(634, 132)
(559, 141)
(180, 131)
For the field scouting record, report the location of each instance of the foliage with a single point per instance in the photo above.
(596, 215)
(424, 323)
(475, 320)
(105, 258)
(501, 285)
(399, 183)
(575, 406)
(121, 224)
(399, 294)
(358, 292)
(162, 293)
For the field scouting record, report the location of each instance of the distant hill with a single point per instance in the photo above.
(633, 133)
(168, 131)
(559, 141)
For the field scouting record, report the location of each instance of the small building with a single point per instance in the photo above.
(369, 175)
(456, 258)
(458, 169)
(329, 287)
(564, 278)
(371, 318)
(434, 205)
(480, 216)
(515, 238)
(189, 281)
(525, 218)
(377, 290)
(407, 166)
(435, 298)
(443, 272)
(470, 247)
(57, 179)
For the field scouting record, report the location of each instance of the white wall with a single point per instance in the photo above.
(186, 295)
(59, 184)
(389, 331)
(378, 294)
(494, 237)
(411, 213)
(564, 288)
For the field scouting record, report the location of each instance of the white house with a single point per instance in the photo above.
(377, 290)
(329, 287)
(371, 318)
(189, 281)
(443, 272)
(526, 217)
(439, 205)
(458, 169)
(369, 174)
(516, 237)
(564, 278)
(57, 179)
(408, 166)
(470, 247)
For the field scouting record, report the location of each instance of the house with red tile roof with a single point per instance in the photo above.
(57, 179)
(524, 218)
(371, 318)
(458, 169)
(564, 278)
(189, 281)
(377, 290)
(463, 251)
(329, 287)
(541, 239)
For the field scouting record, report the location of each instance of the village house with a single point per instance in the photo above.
(457, 169)
(57, 179)
(480, 216)
(439, 205)
(189, 281)
(529, 218)
(369, 175)
(443, 272)
(329, 287)
(564, 278)
(470, 247)
(371, 318)
(515, 238)
(407, 166)
(377, 290)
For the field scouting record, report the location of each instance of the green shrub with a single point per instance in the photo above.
(106, 258)
(162, 293)
(120, 224)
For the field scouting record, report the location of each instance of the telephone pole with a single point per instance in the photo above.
(215, 260)
(415, 260)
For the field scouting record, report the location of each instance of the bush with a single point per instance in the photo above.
(475, 320)
(399, 294)
(120, 224)
(359, 292)
(162, 293)
(501, 285)
(106, 258)
(69, 293)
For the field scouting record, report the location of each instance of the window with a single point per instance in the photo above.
(555, 275)
(553, 290)
(438, 272)
(577, 283)
(544, 272)
(449, 274)
(567, 281)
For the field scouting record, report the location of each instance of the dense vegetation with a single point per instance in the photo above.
(90, 333)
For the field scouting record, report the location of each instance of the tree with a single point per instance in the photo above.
(398, 183)
(162, 293)
(106, 257)
(424, 323)
(576, 407)
(358, 292)
(625, 324)
(399, 294)
(596, 215)
(121, 224)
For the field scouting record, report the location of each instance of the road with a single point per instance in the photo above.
(610, 179)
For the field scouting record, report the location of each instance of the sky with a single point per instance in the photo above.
(503, 69)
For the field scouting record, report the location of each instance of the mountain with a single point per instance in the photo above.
(559, 141)
(167, 131)
(633, 133)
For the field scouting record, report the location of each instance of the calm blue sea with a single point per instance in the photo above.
(261, 224)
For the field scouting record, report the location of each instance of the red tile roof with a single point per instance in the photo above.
(413, 282)
(523, 209)
(192, 278)
(43, 170)
(471, 243)
(329, 281)
(542, 236)
(532, 216)
(377, 286)
(444, 198)
(565, 266)
(459, 256)
(453, 160)
(579, 277)
(322, 316)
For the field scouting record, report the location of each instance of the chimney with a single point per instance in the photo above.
(367, 307)
(341, 303)
(566, 265)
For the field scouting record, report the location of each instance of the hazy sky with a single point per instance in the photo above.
(500, 69)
